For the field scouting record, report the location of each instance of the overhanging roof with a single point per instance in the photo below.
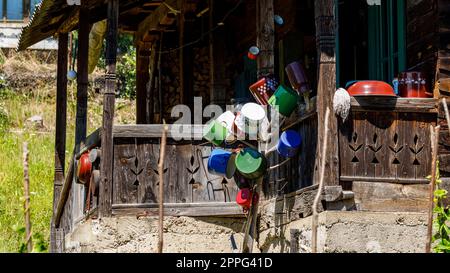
(53, 16)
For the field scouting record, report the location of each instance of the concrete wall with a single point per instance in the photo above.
(338, 232)
(351, 231)
(130, 235)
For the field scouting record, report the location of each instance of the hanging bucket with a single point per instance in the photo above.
(285, 99)
(253, 116)
(289, 144)
(215, 132)
(250, 163)
(221, 163)
(84, 169)
(253, 53)
(244, 198)
(227, 119)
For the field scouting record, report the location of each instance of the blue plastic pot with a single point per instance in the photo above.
(221, 163)
(289, 144)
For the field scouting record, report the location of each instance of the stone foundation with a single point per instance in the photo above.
(338, 232)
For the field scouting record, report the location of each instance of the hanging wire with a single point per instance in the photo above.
(219, 24)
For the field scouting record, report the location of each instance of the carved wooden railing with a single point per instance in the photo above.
(190, 190)
(387, 140)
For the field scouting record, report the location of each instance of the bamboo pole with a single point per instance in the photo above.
(161, 187)
(434, 151)
(26, 193)
(315, 218)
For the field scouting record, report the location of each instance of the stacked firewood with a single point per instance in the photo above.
(170, 78)
(202, 82)
(170, 81)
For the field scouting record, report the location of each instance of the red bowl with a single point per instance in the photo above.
(371, 88)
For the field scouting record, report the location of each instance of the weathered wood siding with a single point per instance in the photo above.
(187, 179)
(386, 146)
(299, 172)
(422, 39)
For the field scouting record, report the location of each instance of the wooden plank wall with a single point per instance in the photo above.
(188, 180)
(422, 41)
(299, 172)
(443, 75)
(428, 45)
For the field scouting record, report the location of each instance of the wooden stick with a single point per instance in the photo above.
(161, 187)
(447, 115)
(434, 151)
(26, 193)
(315, 218)
(279, 165)
(250, 234)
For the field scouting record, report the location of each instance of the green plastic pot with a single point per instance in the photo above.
(215, 132)
(251, 164)
(285, 100)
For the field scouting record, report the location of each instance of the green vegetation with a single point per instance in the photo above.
(442, 218)
(15, 109)
(126, 66)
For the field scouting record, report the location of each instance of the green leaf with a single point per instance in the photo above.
(440, 193)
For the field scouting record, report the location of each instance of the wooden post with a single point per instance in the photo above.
(265, 37)
(60, 132)
(434, 132)
(142, 79)
(26, 195)
(182, 20)
(325, 36)
(105, 193)
(82, 77)
(150, 88)
(266, 42)
(217, 52)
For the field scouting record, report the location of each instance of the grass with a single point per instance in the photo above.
(15, 109)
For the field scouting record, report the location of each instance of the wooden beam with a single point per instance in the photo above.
(265, 37)
(154, 131)
(150, 88)
(143, 51)
(325, 37)
(82, 77)
(189, 210)
(106, 168)
(152, 22)
(392, 180)
(60, 131)
(181, 53)
(217, 51)
(394, 104)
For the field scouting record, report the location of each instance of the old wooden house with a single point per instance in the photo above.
(377, 160)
